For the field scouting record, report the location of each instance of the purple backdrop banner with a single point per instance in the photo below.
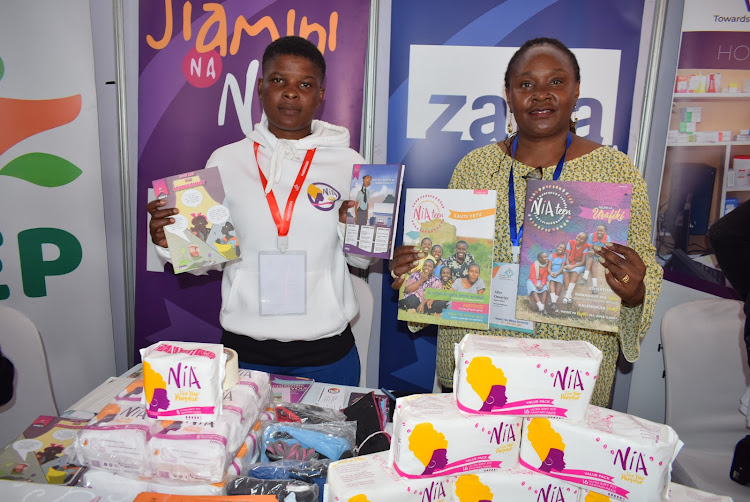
(199, 64)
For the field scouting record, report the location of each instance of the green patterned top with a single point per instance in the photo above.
(488, 168)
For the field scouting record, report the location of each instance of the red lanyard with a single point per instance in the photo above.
(282, 224)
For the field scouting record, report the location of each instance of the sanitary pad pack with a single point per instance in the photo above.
(183, 380)
(248, 454)
(202, 451)
(117, 439)
(431, 437)
(517, 484)
(117, 488)
(369, 478)
(525, 377)
(610, 453)
(680, 493)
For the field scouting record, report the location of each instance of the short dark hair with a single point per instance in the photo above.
(541, 41)
(295, 46)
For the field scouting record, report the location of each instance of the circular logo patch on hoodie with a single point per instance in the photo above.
(322, 196)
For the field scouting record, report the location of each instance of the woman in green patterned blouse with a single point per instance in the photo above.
(542, 84)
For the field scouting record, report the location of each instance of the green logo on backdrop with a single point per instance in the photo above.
(21, 119)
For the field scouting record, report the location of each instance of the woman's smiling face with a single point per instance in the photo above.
(543, 91)
(473, 273)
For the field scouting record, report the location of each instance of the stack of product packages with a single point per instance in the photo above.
(182, 429)
(519, 426)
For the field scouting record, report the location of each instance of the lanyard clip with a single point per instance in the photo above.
(516, 252)
(282, 243)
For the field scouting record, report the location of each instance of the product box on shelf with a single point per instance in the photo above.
(741, 165)
(730, 204)
(690, 114)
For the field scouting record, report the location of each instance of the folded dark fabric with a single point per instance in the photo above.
(280, 488)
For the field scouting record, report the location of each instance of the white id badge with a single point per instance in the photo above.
(282, 283)
(503, 299)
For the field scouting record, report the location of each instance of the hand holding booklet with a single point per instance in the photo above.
(560, 278)
(371, 222)
(203, 233)
(451, 284)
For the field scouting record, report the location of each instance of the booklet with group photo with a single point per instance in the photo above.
(371, 222)
(561, 280)
(203, 233)
(456, 230)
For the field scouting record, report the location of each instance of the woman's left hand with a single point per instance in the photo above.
(343, 209)
(624, 271)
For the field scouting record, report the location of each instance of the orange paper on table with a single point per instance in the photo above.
(162, 497)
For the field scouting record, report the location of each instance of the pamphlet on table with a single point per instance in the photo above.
(203, 233)
(42, 453)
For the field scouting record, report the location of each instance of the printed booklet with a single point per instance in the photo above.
(560, 278)
(451, 285)
(371, 222)
(202, 234)
(43, 453)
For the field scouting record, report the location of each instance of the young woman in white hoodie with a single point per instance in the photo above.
(287, 155)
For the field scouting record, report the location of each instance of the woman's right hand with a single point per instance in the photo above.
(405, 259)
(160, 218)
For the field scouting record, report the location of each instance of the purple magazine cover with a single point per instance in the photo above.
(560, 278)
(199, 63)
(371, 223)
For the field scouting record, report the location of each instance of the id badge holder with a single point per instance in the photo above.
(282, 282)
(503, 298)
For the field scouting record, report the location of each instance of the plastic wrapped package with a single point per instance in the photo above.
(431, 437)
(310, 471)
(524, 376)
(204, 451)
(183, 380)
(117, 439)
(259, 382)
(248, 454)
(115, 488)
(612, 453)
(192, 452)
(298, 441)
(133, 392)
(369, 477)
(680, 493)
(371, 414)
(306, 413)
(281, 488)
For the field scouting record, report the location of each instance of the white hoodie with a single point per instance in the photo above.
(315, 229)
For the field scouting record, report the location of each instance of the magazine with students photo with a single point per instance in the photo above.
(202, 234)
(561, 280)
(371, 222)
(451, 284)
